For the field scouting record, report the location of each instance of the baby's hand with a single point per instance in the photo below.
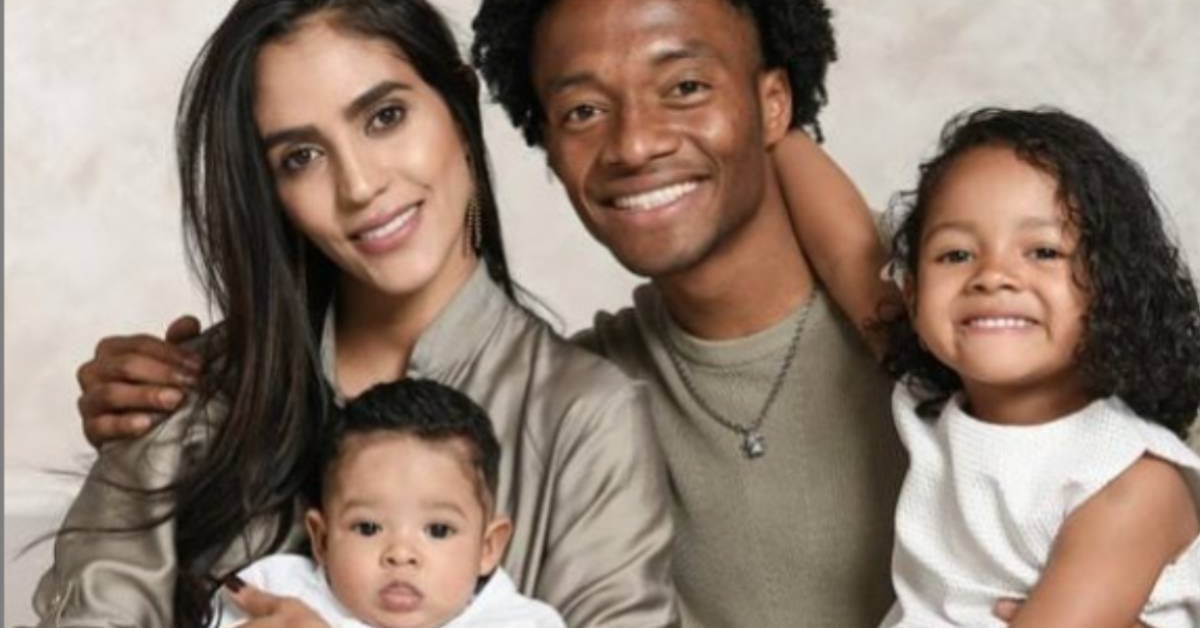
(271, 611)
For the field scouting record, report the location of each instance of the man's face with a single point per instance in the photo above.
(657, 122)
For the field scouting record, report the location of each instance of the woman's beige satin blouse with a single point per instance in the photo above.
(580, 475)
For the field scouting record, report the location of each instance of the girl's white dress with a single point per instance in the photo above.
(982, 503)
(498, 605)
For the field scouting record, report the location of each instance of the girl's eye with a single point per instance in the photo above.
(366, 528)
(439, 530)
(956, 256)
(298, 159)
(386, 118)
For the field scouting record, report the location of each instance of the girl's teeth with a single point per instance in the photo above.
(391, 226)
(1000, 323)
(655, 198)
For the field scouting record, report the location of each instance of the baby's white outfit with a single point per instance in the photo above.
(498, 605)
(982, 503)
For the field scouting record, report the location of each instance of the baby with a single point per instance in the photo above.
(405, 533)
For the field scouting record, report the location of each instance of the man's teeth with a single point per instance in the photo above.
(655, 198)
(1000, 323)
(392, 226)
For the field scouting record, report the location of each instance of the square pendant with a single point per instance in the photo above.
(754, 445)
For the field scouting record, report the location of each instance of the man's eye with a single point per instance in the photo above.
(440, 530)
(366, 528)
(580, 113)
(688, 88)
(387, 117)
(956, 256)
(297, 159)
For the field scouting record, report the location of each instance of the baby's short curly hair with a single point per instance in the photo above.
(794, 34)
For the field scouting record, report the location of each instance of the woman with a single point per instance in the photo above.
(337, 200)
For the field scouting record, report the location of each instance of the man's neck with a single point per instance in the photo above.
(749, 282)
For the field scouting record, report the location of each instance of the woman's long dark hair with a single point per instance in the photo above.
(1142, 327)
(271, 286)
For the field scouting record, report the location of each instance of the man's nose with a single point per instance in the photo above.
(639, 135)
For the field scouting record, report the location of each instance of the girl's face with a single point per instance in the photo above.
(997, 296)
(366, 157)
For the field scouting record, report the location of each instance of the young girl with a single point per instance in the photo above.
(1049, 367)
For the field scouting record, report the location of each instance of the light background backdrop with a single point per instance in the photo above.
(92, 240)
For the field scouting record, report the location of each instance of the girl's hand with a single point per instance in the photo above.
(133, 378)
(272, 611)
(836, 231)
(1008, 609)
(1142, 520)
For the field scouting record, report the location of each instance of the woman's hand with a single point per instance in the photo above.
(133, 378)
(272, 611)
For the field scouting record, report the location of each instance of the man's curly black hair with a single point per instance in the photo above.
(1142, 326)
(419, 407)
(794, 34)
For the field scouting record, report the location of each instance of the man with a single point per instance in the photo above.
(659, 117)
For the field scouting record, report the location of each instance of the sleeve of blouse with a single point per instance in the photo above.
(610, 555)
(111, 566)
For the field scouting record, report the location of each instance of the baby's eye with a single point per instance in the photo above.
(298, 159)
(366, 528)
(956, 256)
(439, 530)
(386, 118)
(1046, 253)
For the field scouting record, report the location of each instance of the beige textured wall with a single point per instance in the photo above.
(92, 242)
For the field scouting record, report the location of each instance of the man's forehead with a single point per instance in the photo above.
(585, 35)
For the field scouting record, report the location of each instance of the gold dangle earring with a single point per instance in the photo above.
(475, 224)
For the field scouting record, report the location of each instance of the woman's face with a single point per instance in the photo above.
(366, 157)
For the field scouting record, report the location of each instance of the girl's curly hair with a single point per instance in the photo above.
(794, 34)
(1142, 327)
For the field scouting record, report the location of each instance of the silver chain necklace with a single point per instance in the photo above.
(754, 445)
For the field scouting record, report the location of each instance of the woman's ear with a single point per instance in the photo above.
(315, 523)
(495, 540)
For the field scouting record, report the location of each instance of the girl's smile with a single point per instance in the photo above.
(998, 297)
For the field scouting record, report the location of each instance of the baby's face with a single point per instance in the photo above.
(403, 536)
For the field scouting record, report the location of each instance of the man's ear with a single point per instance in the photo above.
(315, 523)
(495, 540)
(775, 102)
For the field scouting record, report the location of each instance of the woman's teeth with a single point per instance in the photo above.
(392, 226)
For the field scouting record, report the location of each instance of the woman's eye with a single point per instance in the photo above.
(439, 530)
(298, 159)
(387, 117)
(956, 256)
(366, 528)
